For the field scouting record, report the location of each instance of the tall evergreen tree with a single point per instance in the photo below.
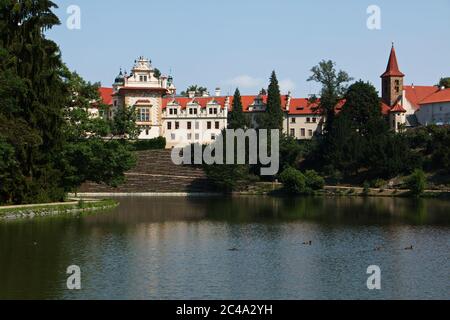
(238, 120)
(272, 118)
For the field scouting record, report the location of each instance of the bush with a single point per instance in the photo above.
(416, 182)
(153, 144)
(313, 180)
(293, 181)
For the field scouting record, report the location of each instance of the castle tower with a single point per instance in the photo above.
(392, 81)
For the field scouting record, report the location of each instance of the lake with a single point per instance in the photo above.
(233, 248)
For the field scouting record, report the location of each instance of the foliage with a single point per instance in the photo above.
(444, 82)
(46, 129)
(293, 181)
(238, 120)
(333, 88)
(313, 180)
(198, 90)
(273, 116)
(152, 144)
(416, 182)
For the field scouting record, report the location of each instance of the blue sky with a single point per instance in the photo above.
(238, 43)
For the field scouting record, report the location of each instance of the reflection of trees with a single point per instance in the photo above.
(33, 259)
(340, 210)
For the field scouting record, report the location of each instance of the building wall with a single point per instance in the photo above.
(303, 127)
(176, 129)
(435, 113)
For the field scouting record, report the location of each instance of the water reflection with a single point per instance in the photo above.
(160, 248)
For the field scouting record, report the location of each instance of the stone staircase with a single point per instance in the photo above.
(155, 172)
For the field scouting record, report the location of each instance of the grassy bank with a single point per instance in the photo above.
(269, 188)
(53, 209)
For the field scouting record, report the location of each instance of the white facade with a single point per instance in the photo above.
(434, 113)
(143, 91)
(193, 123)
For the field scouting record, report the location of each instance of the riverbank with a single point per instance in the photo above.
(75, 206)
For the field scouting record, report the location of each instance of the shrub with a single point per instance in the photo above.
(378, 183)
(416, 182)
(293, 181)
(153, 144)
(366, 188)
(313, 180)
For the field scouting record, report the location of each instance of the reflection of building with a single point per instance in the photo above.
(194, 119)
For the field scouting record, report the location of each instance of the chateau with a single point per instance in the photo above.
(193, 119)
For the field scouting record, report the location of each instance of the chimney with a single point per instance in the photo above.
(205, 94)
(191, 94)
(218, 92)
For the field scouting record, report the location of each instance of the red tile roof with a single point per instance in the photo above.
(437, 97)
(397, 108)
(416, 94)
(300, 106)
(392, 69)
(202, 101)
(106, 95)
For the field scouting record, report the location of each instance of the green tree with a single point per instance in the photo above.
(273, 116)
(416, 182)
(198, 90)
(333, 88)
(444, 82)
(293, 181)
(238, 120)
(124, 123)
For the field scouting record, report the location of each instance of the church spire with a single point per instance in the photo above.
(392, 69)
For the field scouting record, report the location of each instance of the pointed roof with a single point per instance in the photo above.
(398, 108)
(392, 69)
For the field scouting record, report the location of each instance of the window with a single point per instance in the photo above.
(189, 125)
(213, 111)
(144, 114)
(197, 125)
(175, 111)
(189, 136)
(397, 82)
(177, 125)
(141, 78)
(172, 136)
(169, 125)
(208, 125)
(397, 89)
(310, 133)
(314, 120)
(213, 136)
(303, 132)
(293, 132)
(197, 136)
(170, 111)
(146, 132)
(115, 103)
(293, 120)
(308, 120)
(217, 125)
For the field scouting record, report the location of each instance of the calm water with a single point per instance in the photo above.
(178, 248)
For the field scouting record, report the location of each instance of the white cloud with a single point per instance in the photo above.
(245, 81)
(286, 85)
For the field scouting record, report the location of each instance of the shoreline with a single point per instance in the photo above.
(31, 211)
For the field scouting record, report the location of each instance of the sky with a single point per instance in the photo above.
(233, 43)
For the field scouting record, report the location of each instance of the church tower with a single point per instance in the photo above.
(392, 81)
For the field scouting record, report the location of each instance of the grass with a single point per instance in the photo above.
(42, 210)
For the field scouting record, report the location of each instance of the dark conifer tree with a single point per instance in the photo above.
(238, 120)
